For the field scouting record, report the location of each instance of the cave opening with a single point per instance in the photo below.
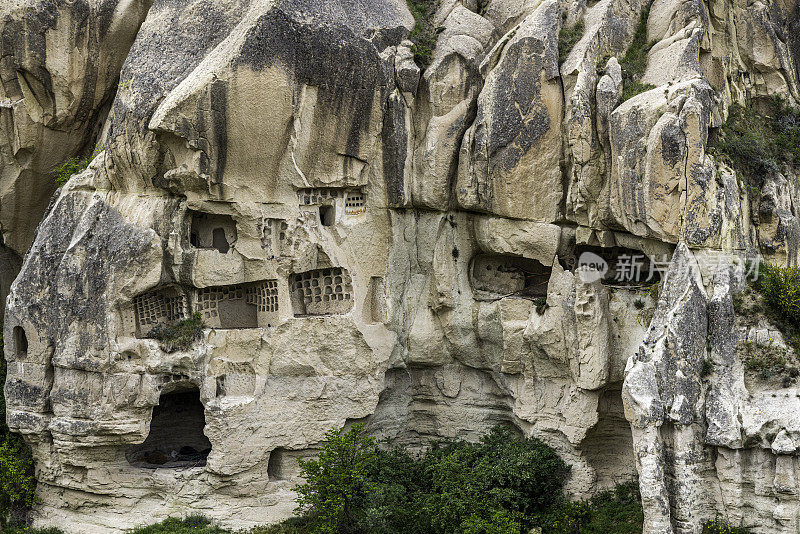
(619, 266)
(502, 275)
(327, 215)
(212, 231)
(176, 437)
(20, 342)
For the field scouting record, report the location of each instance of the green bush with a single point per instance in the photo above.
(755, 143)
(178, 336)
(17, 480)
(720, 527)
(780, 287)
(190, 525)
(74, 165)
(567, 38)
(337, 482)
(499, 485)
(634, 62)
(424, 33)
(618, 511)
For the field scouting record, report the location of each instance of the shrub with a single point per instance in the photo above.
(720, 527)
(190, 525)
(294, 525)
(424, 33)
(634, 62)
(178, 336)
(567, 38)
(72, 166)
(500, 523)
(780, 287)
(755, 144)
(454, 486)
(17, 480)
(618, 511)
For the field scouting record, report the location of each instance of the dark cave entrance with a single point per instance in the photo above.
(20, 342)
(176, 437)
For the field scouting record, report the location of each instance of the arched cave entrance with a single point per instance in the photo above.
(176, 437)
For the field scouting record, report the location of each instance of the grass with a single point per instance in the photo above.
(424, 33)
(635, 61)
(178, 336)
(756, 144)
(567, 37)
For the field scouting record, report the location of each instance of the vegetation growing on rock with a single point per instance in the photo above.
(502, 484)
(635, 61)
(17, 482)
(713, 526)
(74, 165)
(774, 296)
(757, 143)
(424, 33)
(178, 336)
(567, 38)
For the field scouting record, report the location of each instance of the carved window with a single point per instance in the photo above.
(322, 292)
(20, 342)
(212, 231)
(158, 307)
(239, 306)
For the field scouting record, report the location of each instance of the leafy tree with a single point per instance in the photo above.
(337, 481)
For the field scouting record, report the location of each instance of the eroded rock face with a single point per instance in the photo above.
(433, 251)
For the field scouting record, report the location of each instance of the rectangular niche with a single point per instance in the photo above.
(160, 306)
(321, 292)
(211, 231)
(250, 305)
(502, 275)
(273, 236)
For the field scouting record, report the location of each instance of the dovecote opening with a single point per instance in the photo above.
(212, 231)
(321, 292)
(176, 437)
(20, 342)
(250, 305)
(502, 275)
(158, 307)
(354, 203)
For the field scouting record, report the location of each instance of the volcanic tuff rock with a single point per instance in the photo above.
(368, 239)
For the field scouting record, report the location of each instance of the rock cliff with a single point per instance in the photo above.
(499, 231)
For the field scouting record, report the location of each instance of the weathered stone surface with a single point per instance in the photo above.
(368, 239)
